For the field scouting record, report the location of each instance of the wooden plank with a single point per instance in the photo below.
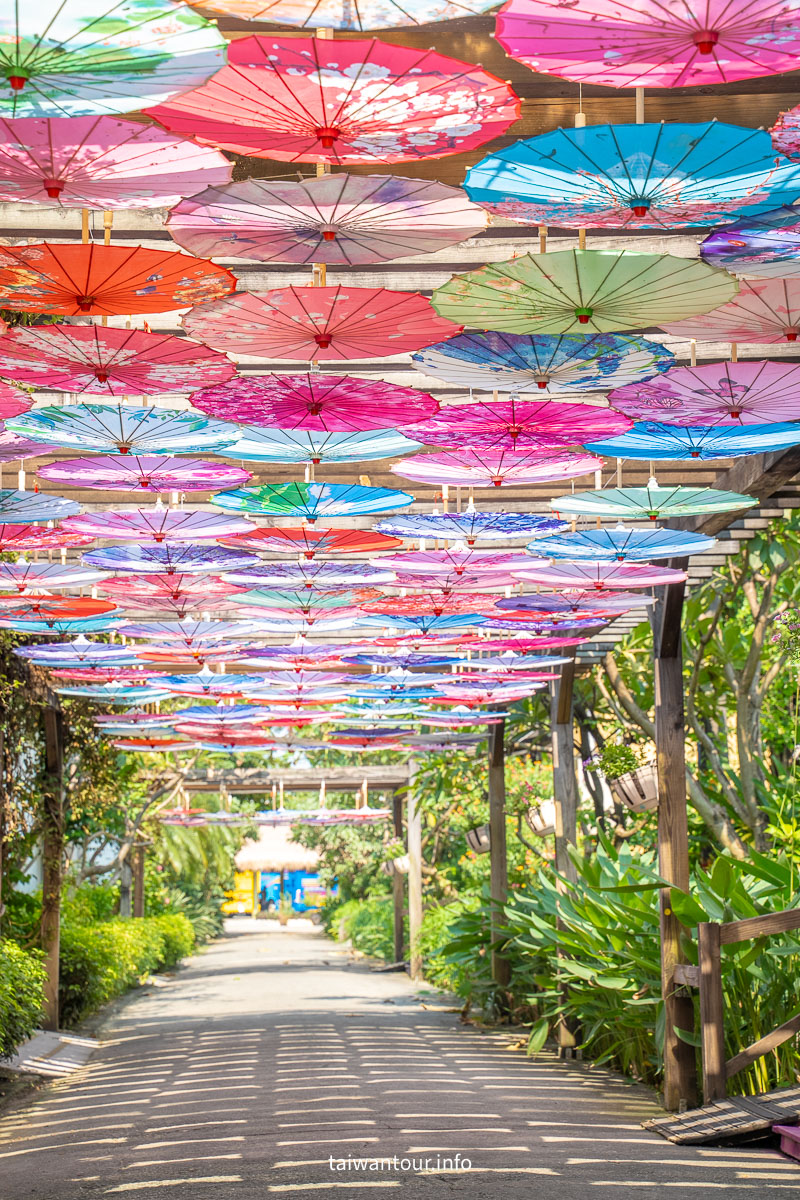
(398, 885)
(755, 927)
(414, 821)
(712, 1017)
(52, 860)
(764, 1045)
(759, 475)
(686, 975)
(498, 855)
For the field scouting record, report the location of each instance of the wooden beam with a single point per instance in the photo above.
(398, 885)
(764, 1045)
(498, 851)
(712, 1018)
(414, 821)
(52, 860)
(756, 927)
(565, 784)
(759, 475)
(137, 866)
(687, 975)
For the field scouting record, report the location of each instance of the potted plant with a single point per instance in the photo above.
(541, 818)
(633, 782)
(479, 840)
(285, 909)
(396, 857)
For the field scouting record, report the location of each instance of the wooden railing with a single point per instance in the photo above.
(707, 976)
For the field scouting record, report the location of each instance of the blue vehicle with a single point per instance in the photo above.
(303, 889)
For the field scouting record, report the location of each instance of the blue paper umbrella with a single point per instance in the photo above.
(116, 693)
(55, 626)
(312, 500)
(311, 446)
(652, 440)
(470, 526)
(520, 362)
(646, 176)
(25, 508)
(221, 714)
(424, 624)
(764, 245)
(633, 545)
(170, 559)
(122, 428)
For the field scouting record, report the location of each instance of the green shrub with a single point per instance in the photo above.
(441, 925)
(178, 934)
(369, 924)
(21, 996)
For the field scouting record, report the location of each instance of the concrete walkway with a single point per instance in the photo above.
(272, 1064)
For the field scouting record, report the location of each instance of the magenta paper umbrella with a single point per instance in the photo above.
(456, 562)
(326, 323)
(763, 311)
(601, 575)
(519, 424)
(336, 219)
(13, 401)
(159, 524)
(727, 393)
(89, 358)
(488, 468)
(329, 403)
(652, 43)
(145, 472)
(102, 162)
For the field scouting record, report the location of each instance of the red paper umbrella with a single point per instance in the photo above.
(33, 537)
(73, 278)
(107, 674)
(320, 323)
(144, 472)
(12, 400)
(48, 606)
(601, 575)
(330, 403)
(311, 542)
(305, 99)
(493, 468)
(433, 602)
(518, 424)
(153, 745)
(116, 362)
(168, 587)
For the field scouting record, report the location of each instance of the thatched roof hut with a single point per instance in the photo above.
(275, 851)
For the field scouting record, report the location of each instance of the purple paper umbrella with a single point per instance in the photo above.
(575, 602)
(458, 562)
(601, 575)
(310, 575)
(488, 468)
(158, 524)
(169, 559)
(14, 448)
(754, 392)
(519, 424)
(189, 633)
(335, 403)
(145, 472)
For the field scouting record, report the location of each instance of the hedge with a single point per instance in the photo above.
(21, 996)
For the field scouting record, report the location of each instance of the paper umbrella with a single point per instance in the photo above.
(621, 544)
(310, 501)
(651, 501)
(518, 424)
(660, 442)
(23, 508)
(764, 311)
(145, 472)
(170, 559)
(123, 428)
(158, 524)
(470, 526)
(748, 393)
(490, 468)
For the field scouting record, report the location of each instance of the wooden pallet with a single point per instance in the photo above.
(730, 1121)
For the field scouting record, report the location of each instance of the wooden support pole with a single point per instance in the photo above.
(126, 886)
(138, 880)
(52, 859)
(498, 856)
(414, 821)
(712, 1027)
(398, 885)
(680, 1074)
(565, 784)
(2, 819)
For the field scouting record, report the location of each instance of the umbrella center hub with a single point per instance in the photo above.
(706, 40)
(85, 303)
(17, 78)
(584, 314)
(314, 407)
(53, 187)
(327, 135)
(323, 340)
(542, 381)
(329, 232)
(640, 206)
(791, 333)
(100, 375)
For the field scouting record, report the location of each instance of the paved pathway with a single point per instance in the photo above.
(273, 1063)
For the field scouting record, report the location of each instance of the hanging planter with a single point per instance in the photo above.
(637, 789)
(479, 840)
(402, 864)
(541, 818)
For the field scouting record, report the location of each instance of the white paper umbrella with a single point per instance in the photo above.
(309, 446)
(25, 508)
(123, 428)
(25, 576)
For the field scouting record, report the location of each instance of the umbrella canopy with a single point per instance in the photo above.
(742, 393)
(601, 575)
(519, 424)
(79, 652)
(575, 602)
(188, 633)
(306, 446)
(293, 600)
(470, 526)
(63, 58)
(13, 401)
(175, 586)
(24, 508)
(117, 693)
(19, 538)
(310, 575)
(589, 290)
(631, 545)
(765, 310)
(553, 363)
(654, 43)
(58, 625)
(651, 440)
(424, 624)
(766, 245)
(144, 472)
(299, 99)
(644, 176)
(310, 501)
(324, 323)
(432, 602)
(27, 576)
(455, 561)
(174, 558)
(336, 219)
(489, 468)
(15, 449)
(158, 524)
(72, 278)
(117, 362)
(786, 133)
(122, 428)
(102, 162)
(651, 501)
(33, 604)
(315, 402)
(185, 603)
(311, 542)
(329, 14)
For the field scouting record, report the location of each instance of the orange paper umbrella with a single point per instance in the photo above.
(73, 278)
(298, 539)
(47, 605)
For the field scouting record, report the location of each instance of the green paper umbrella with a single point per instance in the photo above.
(583, 291)
(651, 501)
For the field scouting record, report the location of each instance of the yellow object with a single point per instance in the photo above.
(242, 897)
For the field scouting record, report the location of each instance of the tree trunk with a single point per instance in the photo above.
(52, 859)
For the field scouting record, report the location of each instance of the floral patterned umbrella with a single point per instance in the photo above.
(786, 133)
(456, 561)
(13, 401)
(638, 176)
(311, 542)
(489, 468)
(309, 575)
(330, 14)
(118, 362)
(306, 446)
(593, 291)
(175, 586)
(470, 526)
(289, 603)
(766, 245)
(651, 501)
(601, 575)
(172, 559)
(58, 625)
(432, 602)
(24, 508)
(310, 501)
(622, 544)
(117, 693)
(662, 443)
(302, 99)
(749, 393)
(143, 472)
(107, 674)
(424, 625)
(765, 310)
(159, 524)
(576, 602)
(64, 58)
(519, 362)
(336, 219)
(101, 162)
(31, 576)
(188, 633)
(74, 279)
(653, 43)
(20, 538)
(321, 323)
(14, 448)
(518, 424)
(122, 428)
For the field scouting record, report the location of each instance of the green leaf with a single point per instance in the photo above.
(686, 908)
(691, 1038)
(538, 1036)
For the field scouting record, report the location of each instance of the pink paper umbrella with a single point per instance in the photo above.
(171, 587)
(19, 538)
(457, 562)
(301, 99)
(652, 43)
(518, 424)
(14, 448)
(116, 362)
(433, 602)
(13, 401)
(601, 575)
(764, 311)
(326, 323)
(102, 162)
(330, 403)
(144, 472)
(727, 393)
(487, 468)
(159, 524)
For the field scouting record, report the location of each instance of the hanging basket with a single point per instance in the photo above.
(479, 840)
(541, 818)
(402, 864)
(638, 789)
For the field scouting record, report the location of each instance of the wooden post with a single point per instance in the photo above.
(52, 856)
(498, 857)
(680, 1072)
(712, 1027)
(414, 822)
(398, 887)
(126, 885)
(138, 880)
(2, 820)
(565, 785)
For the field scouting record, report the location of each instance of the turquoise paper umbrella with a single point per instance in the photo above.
(654, 441)
(631, 545)
(310, 446)
(310, 501)
(652, 501)
(124, 428)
